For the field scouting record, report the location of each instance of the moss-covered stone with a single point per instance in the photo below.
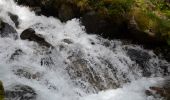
(1, 91)
(113, 17)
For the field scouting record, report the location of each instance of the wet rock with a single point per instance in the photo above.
(16, 54)
(84, 75)
(47, 61)
(29, 2)
(20, 92)
(161, 90)
(7, 30)
(79, 70)
(30, 34)
(2, 94)
(28, 74)
(14, 18)
(163, 51)
(141, 58)
(101, 25)
(65, 13)
(68, 41)
(37, 10)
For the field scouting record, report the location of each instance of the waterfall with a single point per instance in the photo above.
(79, 66)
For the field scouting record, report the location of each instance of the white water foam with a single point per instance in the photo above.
(54, 82)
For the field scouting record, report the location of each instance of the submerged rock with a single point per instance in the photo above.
(141, 58)
(20, 92)
(30, 34)
(16, 54)
(7, 30)
(26, 73)
(2, 94)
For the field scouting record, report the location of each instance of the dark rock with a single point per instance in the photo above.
(65, 12)
(141, 58)
(2, 94)
(47, 61)
(148, 93)
(68, 41)
(22, 72)
(37, 10)
(29, 2)
(7, 30)
(20, 92)
(16, 54)
(14, 18)
(163, 51)
(30, 34)
(104, 26)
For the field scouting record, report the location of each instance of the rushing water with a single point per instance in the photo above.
(79, 67)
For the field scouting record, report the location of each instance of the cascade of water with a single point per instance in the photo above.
(79, 64)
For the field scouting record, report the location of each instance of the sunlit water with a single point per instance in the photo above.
(57, 81)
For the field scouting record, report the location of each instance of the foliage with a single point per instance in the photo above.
(153, 16)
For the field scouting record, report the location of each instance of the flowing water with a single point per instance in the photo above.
(80, 66)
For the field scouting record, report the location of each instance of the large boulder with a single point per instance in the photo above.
(7, 30)
(20, 92)
(2, 95)
(141, 36)
(104, 25)
(30, 34)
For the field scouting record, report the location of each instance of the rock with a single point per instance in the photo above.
(30, 34)
(7, 30)
(141, 58)
(29, 2)
(68, 41)
(84, 75)
(37, 10)
(2, 94)
(143, 37)
(16, 54)
(163, 51)
(104, 26)
(162, 89)
(20, 92)
(26, 73)
(47, 61)
(14, 18)
(66, 13)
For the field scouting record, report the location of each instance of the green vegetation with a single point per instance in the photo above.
(151, 16)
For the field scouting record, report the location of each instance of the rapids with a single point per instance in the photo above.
(80, 66)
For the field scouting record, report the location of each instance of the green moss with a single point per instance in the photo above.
(150, 15)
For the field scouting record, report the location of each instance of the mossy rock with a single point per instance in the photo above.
(1, 91)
